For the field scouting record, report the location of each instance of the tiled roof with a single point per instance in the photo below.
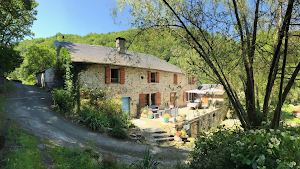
(107, 55)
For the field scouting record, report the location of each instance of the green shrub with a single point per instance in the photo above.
(149, 161)
(118, 132)
(109, 104)
(109, 161)
(63, 99)
(235, 148)
(94, 120)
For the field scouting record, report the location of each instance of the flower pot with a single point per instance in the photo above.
(296, 113)
(166, 120)
(150, 116)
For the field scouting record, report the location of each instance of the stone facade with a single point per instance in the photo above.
(136, 83)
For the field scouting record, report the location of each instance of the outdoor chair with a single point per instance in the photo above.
(168, 111)
(161, 112)
(156, 115)
(174, 112)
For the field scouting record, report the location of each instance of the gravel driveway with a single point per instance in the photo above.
(30, 106)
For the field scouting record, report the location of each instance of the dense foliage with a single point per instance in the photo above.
(63, 99)
(236, 148)
(101, 109)
(17, 17)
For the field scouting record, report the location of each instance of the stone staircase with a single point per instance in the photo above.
(158, 135)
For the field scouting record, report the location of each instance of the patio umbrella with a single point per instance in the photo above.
(213, 90)
(196, 91)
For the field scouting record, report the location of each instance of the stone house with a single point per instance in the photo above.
(138, 78)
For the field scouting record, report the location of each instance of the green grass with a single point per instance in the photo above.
(65, 158)
(287, 115)
(69, 158)
(27, 155)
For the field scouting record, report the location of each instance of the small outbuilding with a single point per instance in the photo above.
(45, 78)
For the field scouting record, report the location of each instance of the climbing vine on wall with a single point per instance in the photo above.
(68, 73)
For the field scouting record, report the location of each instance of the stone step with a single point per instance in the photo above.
(164, 139)
(162, 135)
(158, 130)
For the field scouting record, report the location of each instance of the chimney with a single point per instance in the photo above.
(120, 45)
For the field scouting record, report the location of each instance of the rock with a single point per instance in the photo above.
(41, 146)
(132, 135)
(94, 161)
(139, 142)
(100, 160)
(185, 154)
(132, 138)
(138, 134)
(176, 138)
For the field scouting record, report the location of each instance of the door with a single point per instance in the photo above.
(205, 100)
(172, 98)
(125, 104)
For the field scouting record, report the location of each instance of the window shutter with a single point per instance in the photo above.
(157, 77)
(158, 99)
(122, 75)
(193, 79)
(142, 100)
(149, 77)
(184, 96)
(175, 78)
(107, 75)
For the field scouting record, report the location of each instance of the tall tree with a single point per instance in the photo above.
(40, 58)
(16, 19)
(201, 23)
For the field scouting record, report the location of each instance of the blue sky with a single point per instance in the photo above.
(74, 17)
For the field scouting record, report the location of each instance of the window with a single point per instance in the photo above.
(150, 99)
(175, 78)
(115, 74)
(188, 96)
(191, 96)
(153, 77)
(191, 80)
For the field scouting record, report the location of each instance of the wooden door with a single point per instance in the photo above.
(205, 100)
(172, 98)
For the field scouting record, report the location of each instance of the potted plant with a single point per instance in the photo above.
(144, 111)
(183, 133)
(183, 116)
(179, 119)
(150, 115)
(166, 117)
(196, 113)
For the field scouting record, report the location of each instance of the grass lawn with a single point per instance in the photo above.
(287, 115)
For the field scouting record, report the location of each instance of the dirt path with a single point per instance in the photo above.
(30, 106)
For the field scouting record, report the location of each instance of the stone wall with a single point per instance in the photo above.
(205, 121)
(136, 82)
